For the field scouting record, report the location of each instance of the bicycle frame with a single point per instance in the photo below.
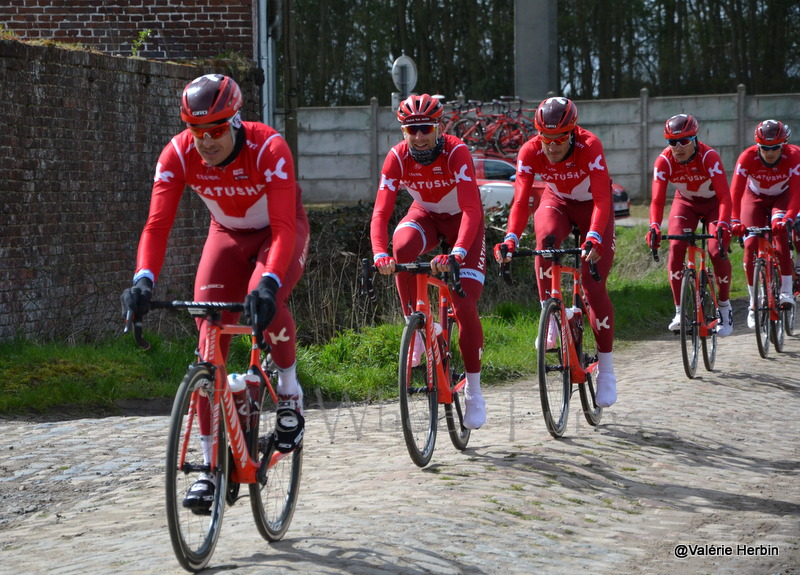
(558, 271)
(439, 383)
(246, 469)
(765, 251)
(695, 253)
(571, 362)
(436, 361)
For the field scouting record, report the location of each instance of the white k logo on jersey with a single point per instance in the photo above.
(794, 171)
(717, 169)
(602, 323)
(279, 171)
(659, 175)
(388, 183)
(741, 171)
(597, 164)
(462, 176)
(523, 168)
(162, 176)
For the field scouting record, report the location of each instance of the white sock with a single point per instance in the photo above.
(725, 303)
(606, 384)
(786, 284)
(750, 291)
(205, 443)
(605, 361)
(287, 380)
(473, 387)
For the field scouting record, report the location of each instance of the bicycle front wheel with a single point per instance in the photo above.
(274, 497)
(419, 399)
(194, 532)
(710, 313)
(761, 307)
(690, 340)
(555, 383)
(454, 412)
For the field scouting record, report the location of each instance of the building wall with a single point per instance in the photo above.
(83, 133)
(189, 29)
(341, 150)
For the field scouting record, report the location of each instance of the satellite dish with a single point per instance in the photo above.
(404, 75)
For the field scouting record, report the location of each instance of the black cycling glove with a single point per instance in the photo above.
(136, 299)
(260, 304)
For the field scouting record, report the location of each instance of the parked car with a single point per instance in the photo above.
(495, 178)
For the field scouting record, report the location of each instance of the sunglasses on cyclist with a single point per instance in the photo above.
(557, 140)
(680, 142)
(423, 129)
(214, 132)
(770, 148)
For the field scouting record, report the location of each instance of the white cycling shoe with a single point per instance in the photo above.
(725, 326)
(474, 411)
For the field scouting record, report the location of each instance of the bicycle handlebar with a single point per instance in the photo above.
(688, 237)
(453, 277)
(195, 309)
(548, 253)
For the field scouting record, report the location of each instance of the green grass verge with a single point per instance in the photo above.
(351, 367)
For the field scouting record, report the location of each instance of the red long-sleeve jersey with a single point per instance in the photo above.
(446, 186)
(702, 177)
(582, 176)
(754, 175)
(257, 189)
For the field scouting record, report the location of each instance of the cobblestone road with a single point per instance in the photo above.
(711, 464)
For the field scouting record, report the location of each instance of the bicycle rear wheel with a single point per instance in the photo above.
(776, 325)
(508, 139)
(553, 371)
(274, 497)
(194, 534)
(454, 412)
(761, 307)
(690, 341)
(419, 400)
(588, 390)
(710, 313)
(471, 133)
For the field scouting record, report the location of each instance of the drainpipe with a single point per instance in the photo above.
(268, 27)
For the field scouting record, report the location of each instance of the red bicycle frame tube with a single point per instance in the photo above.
(557, 270)
(434, 355)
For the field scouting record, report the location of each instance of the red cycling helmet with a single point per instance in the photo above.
(556, 115)
(422, 109)
(771, 133)
(209, 99)
(680, 126)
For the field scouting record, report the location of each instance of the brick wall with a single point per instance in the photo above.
(180, 30)
(83, 133)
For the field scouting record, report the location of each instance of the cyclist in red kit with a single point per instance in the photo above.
(571, 161)
(701, 190)
(257, 240)
(765, 190)
(436, 170)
